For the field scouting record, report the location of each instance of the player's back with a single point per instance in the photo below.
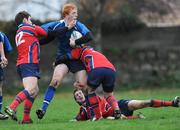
(93, 59)
(27, 44)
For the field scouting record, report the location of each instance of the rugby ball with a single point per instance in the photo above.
(76, 35)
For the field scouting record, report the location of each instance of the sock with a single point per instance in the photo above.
(112, 101)
(48, 97)
(94, 104)
(161, 103)
(27, 108)
(20, 97)
(90, 111)
(1, 98)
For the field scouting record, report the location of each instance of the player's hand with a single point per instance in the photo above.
(4, 62)
(78, 85)
(72, 43)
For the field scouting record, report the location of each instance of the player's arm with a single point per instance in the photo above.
(57, 32)
(82, 115)
(86, 34)
(74, 54)
(40, 31)
(61, 31)
(6, 43)
(46, 40)
(4, 46)
(4, 61)
(84, 39)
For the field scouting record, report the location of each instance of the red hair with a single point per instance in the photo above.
(67, 8)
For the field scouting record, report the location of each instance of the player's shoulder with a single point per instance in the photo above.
(1, 36)
(1, 33)
(78, 23)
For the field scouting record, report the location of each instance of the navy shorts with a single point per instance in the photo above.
(28, 70)
(73, 65)
(1, 74)
(104, 76)
(123, 105)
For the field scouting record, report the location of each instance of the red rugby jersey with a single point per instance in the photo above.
(106, 109)
(91, 58)
(27, 43)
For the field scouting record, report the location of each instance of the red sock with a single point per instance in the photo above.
(20, 97)
(161, 103)
(94, 103)
(27, 108)
(112, 101)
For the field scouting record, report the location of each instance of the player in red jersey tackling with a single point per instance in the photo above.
(28, 47)
(127, 106)
(100, 71)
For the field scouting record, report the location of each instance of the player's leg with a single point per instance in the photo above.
(139, 104)
(2, 115)
(93, 81)
(60, 72)
(28, 103)
(78, 69)
(163, 103)
(81, 80)
(29, 74)
(93, 102)
(108, 87)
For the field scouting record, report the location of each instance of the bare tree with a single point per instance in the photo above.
(96, 11)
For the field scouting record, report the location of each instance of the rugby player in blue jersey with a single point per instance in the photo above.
(5, 46)
(67, 25)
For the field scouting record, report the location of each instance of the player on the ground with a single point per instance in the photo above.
(127, 106)
(28, 47)
(5, 46)
(69, 13)
(100, 71)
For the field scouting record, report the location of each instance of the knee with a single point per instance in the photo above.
(55, 83)
(79, 85)
(90, 90)
(146, 103)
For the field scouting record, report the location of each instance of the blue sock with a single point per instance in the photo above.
(48, 97)
(1, 103)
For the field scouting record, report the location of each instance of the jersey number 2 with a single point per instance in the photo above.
(19, 39)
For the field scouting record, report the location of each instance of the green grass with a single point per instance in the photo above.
(63, 108)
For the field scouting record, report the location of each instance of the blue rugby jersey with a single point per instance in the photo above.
(63, 46)
(5, 41)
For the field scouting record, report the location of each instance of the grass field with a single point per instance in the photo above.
(63, 108)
